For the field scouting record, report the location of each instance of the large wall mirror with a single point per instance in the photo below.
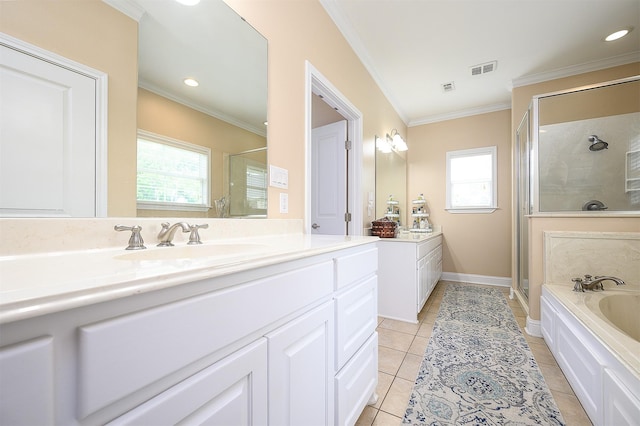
(226, 114)
(588, 149)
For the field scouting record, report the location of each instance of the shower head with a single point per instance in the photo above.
(597, 144)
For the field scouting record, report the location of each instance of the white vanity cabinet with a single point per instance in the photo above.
(257, 346)
(408, 272)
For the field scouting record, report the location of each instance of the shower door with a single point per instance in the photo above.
(523, 204)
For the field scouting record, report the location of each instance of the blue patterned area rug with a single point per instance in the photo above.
(478, 368)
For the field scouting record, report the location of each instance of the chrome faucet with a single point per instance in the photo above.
(167, 232)
(593, 283)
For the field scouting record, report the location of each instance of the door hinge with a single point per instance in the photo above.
(347, 145)
(347, 217)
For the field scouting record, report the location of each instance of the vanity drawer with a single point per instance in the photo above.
(425, 247)
(356, 383)
(352, 267)
(356, 314)
(123, 355)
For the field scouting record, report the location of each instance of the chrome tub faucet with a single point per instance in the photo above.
(593, 283)
(168, 231)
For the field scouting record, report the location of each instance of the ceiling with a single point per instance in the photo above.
(413, 47)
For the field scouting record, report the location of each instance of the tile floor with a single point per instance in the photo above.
(401, 346)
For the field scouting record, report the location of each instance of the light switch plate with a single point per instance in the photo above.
(278, 177)
(284, 202)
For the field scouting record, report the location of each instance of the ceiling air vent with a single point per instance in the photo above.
(484, 68)
(448, 87)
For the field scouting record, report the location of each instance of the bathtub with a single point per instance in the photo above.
(595, 338)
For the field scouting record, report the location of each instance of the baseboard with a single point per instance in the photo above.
(477, 279)
(533, 327)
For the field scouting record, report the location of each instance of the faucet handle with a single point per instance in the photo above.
(194, 237)
(135, 241)
(578, 284)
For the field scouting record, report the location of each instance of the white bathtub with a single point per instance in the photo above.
(595, 338)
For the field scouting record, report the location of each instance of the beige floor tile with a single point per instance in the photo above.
(542, 354)
(430, 317)
(394, 339)
(366, 417)
(571, 409)
(425, 330)
(435, 306)
(397, 398)
(386, 419)
(555, 379)
(419, 345)
(409, 367)
(389, 360)
(402, 326)
(384, 384)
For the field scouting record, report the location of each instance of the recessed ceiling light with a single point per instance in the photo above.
(191, 82)
(188, 2)
(618, 34)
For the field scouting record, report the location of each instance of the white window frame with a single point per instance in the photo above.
(451, 155)
(150, 205)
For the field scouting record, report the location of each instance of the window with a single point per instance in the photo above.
(472, 180)
(172, 175)
(257, 187)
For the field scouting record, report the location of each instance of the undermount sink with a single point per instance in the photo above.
(193, 251)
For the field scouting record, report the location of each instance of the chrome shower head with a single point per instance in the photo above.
(597, 144)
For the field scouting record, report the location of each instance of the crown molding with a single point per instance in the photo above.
(460, 114)
(345, 28)
(572, 70)
(213, 113)
(129, 8)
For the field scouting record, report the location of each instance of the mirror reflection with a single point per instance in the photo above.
(589, 149)
(225, 114)
(391, 182)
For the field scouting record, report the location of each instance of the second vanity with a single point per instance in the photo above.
(271, 329)
(409, 270)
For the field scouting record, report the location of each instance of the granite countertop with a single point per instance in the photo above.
(37, 284)
(414, 237)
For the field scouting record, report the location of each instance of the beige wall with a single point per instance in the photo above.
(164, 117)
(478, 244)
(96, 35)
(298, 31)
(521, 98)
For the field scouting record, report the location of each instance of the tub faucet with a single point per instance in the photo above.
(593, 283)
(167, 232)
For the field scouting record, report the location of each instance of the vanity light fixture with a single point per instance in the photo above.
(396, 141)
(191, 82)
(382, 145)
(618, 34)
(392, 142)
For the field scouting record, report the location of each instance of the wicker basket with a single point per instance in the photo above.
(384, 228)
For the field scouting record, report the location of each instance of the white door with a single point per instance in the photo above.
(329, 179)
(47, 138)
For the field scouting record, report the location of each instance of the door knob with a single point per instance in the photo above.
(315, 226)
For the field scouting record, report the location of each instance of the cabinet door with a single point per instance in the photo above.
(26, 383)
(233, 391)
(621, 407)
(301, 370)
(423, 282)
